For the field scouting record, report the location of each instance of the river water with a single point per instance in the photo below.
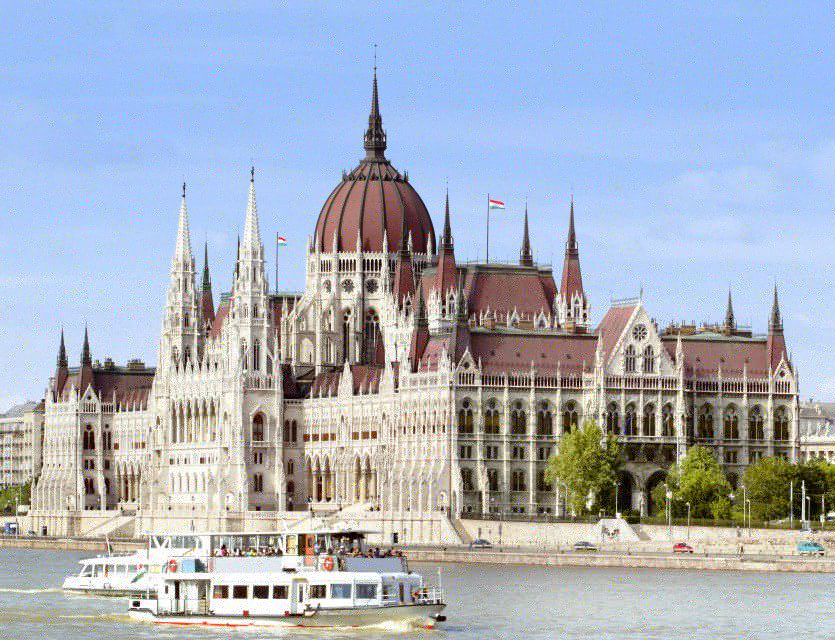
(485, 601)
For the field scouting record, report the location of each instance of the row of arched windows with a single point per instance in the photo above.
(630, 359)
(518, 418)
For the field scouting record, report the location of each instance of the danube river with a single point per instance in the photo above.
(484, 602)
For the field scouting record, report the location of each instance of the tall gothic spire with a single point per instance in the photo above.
(775, 322)
(207, 278)
(252, 232)
(730, 319)
(446, 239)
(86, 358)
(63, 363)
(182, 250)
(571, 248)
(525, 255)
(375, 136)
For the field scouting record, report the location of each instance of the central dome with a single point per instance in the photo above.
(374, 202)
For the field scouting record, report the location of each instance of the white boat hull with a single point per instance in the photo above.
(415, 615)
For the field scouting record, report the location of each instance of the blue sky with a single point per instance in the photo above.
(698, 141)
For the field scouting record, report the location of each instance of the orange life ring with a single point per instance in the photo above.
(172, 566)
(327, 563)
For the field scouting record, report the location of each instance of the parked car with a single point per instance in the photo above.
(481, 543)
(583, 545)
(810, 548)
(682, 547)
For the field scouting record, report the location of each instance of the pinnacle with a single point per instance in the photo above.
(182, 250)
(252, 232)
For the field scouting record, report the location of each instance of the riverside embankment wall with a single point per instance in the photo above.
(648, 538)
(621, 560)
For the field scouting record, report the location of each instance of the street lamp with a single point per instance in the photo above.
(669, 496)
(748, 501)
(688, 522)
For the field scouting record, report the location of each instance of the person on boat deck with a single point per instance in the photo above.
(223, 551)
(317, 548)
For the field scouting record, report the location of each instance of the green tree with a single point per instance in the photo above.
(587, 463)
(697, 479)
(767, 485)
(17, 494)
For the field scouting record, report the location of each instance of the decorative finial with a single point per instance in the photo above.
(252, 174)
(184, 189)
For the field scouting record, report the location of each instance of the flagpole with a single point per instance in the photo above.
(488, 228)
(276, 261)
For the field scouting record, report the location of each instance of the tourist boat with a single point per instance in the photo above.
(130, 574)
(304, 579)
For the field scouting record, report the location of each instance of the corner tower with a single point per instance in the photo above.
(572, 307)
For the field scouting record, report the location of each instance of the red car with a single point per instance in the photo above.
(682, 547)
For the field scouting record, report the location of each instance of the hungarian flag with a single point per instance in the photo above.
(281, 240)
(495, 204)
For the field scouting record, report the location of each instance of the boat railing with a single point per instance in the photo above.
(428, 595)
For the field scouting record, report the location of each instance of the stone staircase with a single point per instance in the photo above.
(119, 526)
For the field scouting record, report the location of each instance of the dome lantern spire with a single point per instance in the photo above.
(375, 135)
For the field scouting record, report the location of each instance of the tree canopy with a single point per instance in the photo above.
(697, 479)
(587, 463)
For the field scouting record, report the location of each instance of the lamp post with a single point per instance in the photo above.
(791, 504)
(748, 501)
(688, 522)
(669, 495)
(744, 502)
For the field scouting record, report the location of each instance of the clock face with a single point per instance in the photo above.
(639, 332)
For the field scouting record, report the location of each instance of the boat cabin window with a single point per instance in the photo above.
(221, 592)
(341, 591)
(280, 592)
(366, 591)
(260, 592)
(86, 571)
(239, 591)
(317, 591)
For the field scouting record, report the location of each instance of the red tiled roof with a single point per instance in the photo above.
(514, 352)
(613, 324)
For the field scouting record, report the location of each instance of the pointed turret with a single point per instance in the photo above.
(730, 319)
(207, 306)
(525, 255)
(62, 354)
(404, 273)
(775, 321)
(420, 333)
(375, 135)
(86, 358)
(86, 372)
(572, 304)
(252, 231)
(179, 340)
(776, 338)
(182, 249)
(62, 367)
(446, 272)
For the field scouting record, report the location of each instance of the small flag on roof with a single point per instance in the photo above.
(495, 204)
(281, 241)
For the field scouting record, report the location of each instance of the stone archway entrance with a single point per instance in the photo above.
(626, 486)
(653, 481)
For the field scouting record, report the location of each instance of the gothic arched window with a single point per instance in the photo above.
(258, 427)
(372, 338)
(755, 424)
(570, 417)
(491, 418)
(667, 422)
(256, 355)
(630, 421)
(730, 429)
(649, 359)
(781, 424)
(704, 426)
(649, 420)
(544, 420)
(346, 336)
(518, 420)
(465, 417)
(612, 419)
(630, 360)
